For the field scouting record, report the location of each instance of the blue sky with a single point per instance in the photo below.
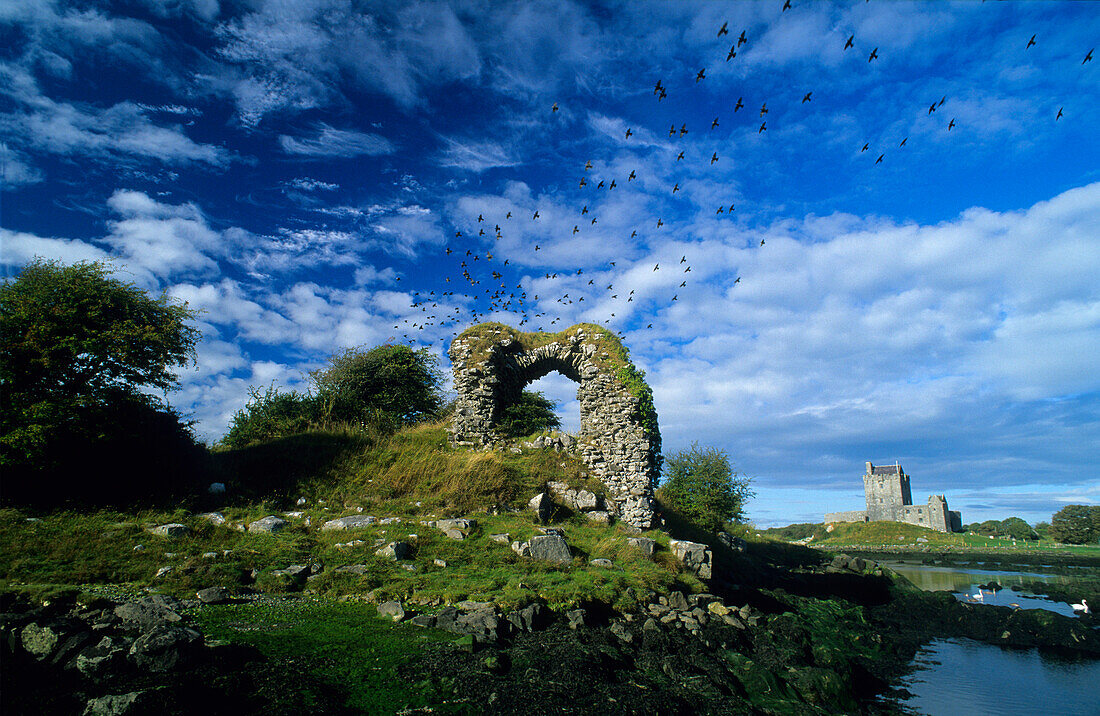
(298, 169)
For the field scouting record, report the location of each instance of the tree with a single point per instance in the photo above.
(1017, 528)
(1076, 524)
(395, 381)
(79, 353)
(702, 487)
(532, 413)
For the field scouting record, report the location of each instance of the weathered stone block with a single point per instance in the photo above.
(552, 548)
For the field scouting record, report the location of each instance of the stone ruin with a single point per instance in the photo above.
(619, 440)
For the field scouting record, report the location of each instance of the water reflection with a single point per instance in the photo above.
(961, 676)
(965, 583)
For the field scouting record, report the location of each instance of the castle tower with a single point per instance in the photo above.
(886, 488)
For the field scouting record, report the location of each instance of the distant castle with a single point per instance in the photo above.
(888, 499)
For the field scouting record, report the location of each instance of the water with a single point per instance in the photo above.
(963, 582)
(961, 676)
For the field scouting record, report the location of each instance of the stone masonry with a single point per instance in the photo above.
(618, 442)
(890, 499)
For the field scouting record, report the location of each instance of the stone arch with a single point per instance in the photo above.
(619, 439)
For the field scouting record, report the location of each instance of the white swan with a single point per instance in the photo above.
(1083, 607)
(980, 596)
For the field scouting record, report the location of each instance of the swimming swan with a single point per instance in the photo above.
(1082, 607)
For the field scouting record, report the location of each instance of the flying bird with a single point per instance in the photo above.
(732, 53)
(662, 95)
(683, 129)
(874, 55)
(656, 266)
(588, 165)
(932, 108)
(672, 131)
(763, 127)
(879, 160)
(951, 124)
(724, 30)
(702, 74)
(806, 97)
(903, 142)
(849, 42)
(741, 40)
(1059, 114)
(554, 108)
(480, 218)
(865, 147)
(714, 158)
(679, 156)
(612, 186)
(737, 280)
(584, 209)
(676, 188)
(628, 132)
(714, 123)
(536, 214)
(631, 177)
(761, 242)
(583, 183)
(683, 283)
(657, 87)
(739, 104)
(1087, 57)
(1030, 42)
(660, 223)
(942, 100)
(683, 259)
(763, 109)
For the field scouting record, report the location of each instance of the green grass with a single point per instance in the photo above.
(341, 649)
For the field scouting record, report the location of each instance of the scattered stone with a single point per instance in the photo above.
(622, 631)
(423, 620)
(271, 523)
(737, 544)
(523, 549)
(439, 562)
(677, 601)
(214, 595)
(173, 531)
(139, 548)
(396, 550)
(718, 608)
(294, 515)
(301, 501)
(599, 517)
(695, 556)
(216, 488)
(165, 648)
(352, 522)
(645, 544)
(551, 547)
(149, 612)
(456, 528)
(586, 501)
(214, 518)
(530, 618)
(359, 569)
(163, 571)
(120, 704)
(105, 657)
(650, 625)
(41, 641)
(601, 562)
(577, 618)
(393, 610)
(209, 555)
(502, 537)
(542, 506)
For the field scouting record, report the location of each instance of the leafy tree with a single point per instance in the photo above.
(1016, 528)
(269, 415)
(386, 382)
(702, 487)
(1042, 529)
(1076, 524)
(532, 413)
(79, 352)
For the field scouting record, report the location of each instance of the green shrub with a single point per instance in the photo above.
(386, 383)
(532, 413)
(271, 414)
(702, 487)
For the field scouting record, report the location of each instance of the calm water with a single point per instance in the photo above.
(960, 676)
(964, 581)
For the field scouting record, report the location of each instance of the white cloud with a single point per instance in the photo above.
(329, 142)
(476, 156)
(19, 247)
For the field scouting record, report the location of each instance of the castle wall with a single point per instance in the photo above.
(885, 493)
(849, 516)
(889, 499)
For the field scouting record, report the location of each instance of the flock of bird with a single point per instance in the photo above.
(479, 288)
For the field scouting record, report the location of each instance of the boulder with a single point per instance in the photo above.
(586, 501)
(293, 577)
(271, 523)
(622, 632)
(396, 550)
(392, 610)
(102, 659)
(352, 522)
(502, 537)
(149, 612)
(737, 544)
(214, 518)
(523, 549)
(601, 562)
(41, 640)
(173, 530)
(695, 556)
(576, 618)
(530, 618)
(131, 704)
(552, 548)
(645, 544)
(678, 602)
(216, 488)
(485, 624)
(165, 648)
(599, 517)
(214, 595)
(542, 506)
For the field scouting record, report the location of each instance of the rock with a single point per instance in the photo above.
(645, 544)
(165, 648)
(131, 704)
(173, 531)
(599, 517)
(502, 537)
(552, 548)
(733, 621)
(601, 562)
(439, 562)
(456, 524)
(354, 569)
(214, 518)
(139, 548)
(718, 608)
(271, 523)
(622, 631)
(396, 550)
(577, 618)
(695, 556)
(650, 625)
(530, 618)
(393, 610)
(678, 602)
(210, 555)
(586, 501)
(922, 540)
(423, 620)
(737, 544)
(542, 506)
(214, 595)
(484, 624)
(216, 488)
(301, 501)
(445, 618)
(523, 549)
(149, 612)
(352, 522)
(41, 641)
(163, 571)
(105, 657)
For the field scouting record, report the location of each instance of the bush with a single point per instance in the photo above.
(532, 413)
(385, 383)
(270, 415)
(702, 487)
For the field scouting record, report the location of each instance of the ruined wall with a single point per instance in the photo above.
(619, 440)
